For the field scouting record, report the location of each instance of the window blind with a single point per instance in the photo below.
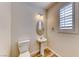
(66, 17)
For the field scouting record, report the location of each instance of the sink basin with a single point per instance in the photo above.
(42, 40)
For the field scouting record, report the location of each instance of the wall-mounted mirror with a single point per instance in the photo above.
(40, 28)
(40, 24)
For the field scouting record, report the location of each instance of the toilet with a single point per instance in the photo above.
(24, 48)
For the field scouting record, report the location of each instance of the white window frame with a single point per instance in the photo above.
(74, 27)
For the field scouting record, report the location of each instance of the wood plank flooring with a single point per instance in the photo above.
(47, 53)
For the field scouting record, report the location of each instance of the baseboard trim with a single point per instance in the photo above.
(54, 52)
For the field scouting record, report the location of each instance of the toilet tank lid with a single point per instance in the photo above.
(19, 42)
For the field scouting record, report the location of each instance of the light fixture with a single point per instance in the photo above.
(39, 17)
(42, 18)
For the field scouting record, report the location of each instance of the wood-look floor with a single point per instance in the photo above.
(47, 53)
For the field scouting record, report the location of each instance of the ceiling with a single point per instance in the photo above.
(42, 5)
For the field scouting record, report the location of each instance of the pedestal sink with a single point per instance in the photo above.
(41, 40)
(42, 44)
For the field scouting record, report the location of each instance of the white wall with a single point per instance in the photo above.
(23, 25)
(5, 28)
(63, 43)
(17, 20)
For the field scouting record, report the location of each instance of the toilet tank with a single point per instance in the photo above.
(23, 46)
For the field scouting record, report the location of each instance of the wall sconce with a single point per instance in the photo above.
(39, 17)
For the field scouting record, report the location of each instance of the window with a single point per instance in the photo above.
(67, 17)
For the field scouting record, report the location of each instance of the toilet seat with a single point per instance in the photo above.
(25, 54)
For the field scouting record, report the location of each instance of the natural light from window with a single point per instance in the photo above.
(66, 17)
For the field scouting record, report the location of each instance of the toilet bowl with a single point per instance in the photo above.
(24, 48)
(25, 54)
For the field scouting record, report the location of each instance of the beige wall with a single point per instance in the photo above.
(63, 44)
(5, 28)
(23, 26)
